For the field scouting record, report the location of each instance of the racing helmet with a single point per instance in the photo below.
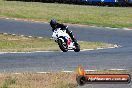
(53, 23)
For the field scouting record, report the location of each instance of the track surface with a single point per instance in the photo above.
(118, 58)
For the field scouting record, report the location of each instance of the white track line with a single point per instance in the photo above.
(43, 72)
(127, 29)
(67, 71)
(17, 73)
(27, 52)
(53, 51)
(117, 69)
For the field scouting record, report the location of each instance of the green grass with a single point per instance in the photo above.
(34, 80)
(76, 14)
(93, 45)
(10, 43)
(18, 44)
(8, 81)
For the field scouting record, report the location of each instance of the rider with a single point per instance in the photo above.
(54, 24)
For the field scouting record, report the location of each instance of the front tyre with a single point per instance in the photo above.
(77, 48)
(63, 45)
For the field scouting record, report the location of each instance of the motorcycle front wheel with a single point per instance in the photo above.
(63, 45)
(77, 49)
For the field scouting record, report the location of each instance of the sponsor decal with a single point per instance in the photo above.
(83, 78)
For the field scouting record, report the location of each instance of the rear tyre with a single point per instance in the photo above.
(63, 45)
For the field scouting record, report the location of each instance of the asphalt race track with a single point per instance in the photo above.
(117, 58)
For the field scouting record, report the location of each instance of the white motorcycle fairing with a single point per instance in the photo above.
(58, 33)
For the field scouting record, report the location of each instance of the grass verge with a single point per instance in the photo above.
(34, 80)
(45, 80)
(10, 43)
(77, 14)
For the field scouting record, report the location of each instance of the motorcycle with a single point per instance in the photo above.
(64, 41)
